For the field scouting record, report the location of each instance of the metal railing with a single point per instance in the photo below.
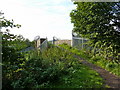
(80, 43)
(27, 49)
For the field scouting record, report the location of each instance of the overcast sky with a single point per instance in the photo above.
(46, 18)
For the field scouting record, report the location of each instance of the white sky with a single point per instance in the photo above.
(46, 18)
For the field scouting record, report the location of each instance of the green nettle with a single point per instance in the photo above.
(100, 23)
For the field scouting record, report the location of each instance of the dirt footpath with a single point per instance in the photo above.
(111, 80)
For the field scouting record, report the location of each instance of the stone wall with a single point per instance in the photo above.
(63, 41)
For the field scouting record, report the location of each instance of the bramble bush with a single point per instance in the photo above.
(54, 67)
(38, 69)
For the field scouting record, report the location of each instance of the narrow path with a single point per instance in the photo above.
(111, 80)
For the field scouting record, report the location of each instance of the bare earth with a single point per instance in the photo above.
(111, 80)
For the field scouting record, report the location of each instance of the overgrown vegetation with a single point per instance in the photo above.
(110, 65)
(57, 67)
(100, 23)
(51, 69)
(79, 76)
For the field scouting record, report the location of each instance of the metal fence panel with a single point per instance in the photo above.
(79, 43)
(43, 46)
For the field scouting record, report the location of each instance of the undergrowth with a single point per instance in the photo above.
(79, 76)
(53, 68)
(110, 65)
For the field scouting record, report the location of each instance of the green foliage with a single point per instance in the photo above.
(112, 66)
(7, 23)
(11, 56)
(39, 69)
(59, 57)
(55, 67)
(97, 21)
(34, 73)
(75, 51)
(109, 65)
(34, 69)
(79, 76)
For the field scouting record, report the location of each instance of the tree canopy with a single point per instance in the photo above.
(100, 22)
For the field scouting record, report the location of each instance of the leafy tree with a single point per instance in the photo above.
(100, 23)
(11, 45)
